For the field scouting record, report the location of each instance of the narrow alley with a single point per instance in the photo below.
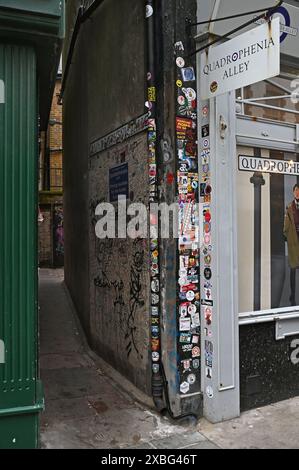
(85, 406)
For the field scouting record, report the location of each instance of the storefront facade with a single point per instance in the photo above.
(253, 154)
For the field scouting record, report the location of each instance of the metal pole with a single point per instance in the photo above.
(258, 181)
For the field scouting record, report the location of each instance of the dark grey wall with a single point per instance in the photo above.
(116, 65)
(105, 90)
(267, 373)
(75, 118)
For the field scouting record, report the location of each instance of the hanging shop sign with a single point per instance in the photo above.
(266, 165)
(249, 58)
(288, 16)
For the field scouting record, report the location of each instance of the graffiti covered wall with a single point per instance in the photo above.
(119, 269)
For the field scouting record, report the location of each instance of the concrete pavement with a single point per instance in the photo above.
(90, 406)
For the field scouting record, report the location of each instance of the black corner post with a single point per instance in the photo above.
(258, 181)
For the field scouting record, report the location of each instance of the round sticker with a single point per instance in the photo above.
(190, 94)
(181, 100)
(208, 189)
(155, 330)
(155, 356)
(180, 62)
(191, 379)
(191, 309)
(208, 216)
(207, 227)
(214, 87)
(207, 273)
(208, 259)
(149, 11)
(156, 368)
(194, 184)
(190, 295)
(206, 143)
(155, 299)
(209, 392)
(183, 281)
(205, 110)
(207, 239)
(155, 285)
(179, 83)
(208, 316)
(196, 351)
(185, 387)
(206, 168)
(148, 104)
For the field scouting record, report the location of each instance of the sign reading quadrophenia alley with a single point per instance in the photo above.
(249, 58)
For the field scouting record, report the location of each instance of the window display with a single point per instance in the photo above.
(268, 229)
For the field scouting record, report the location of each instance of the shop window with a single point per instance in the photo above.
(274, 99)
(268, 255)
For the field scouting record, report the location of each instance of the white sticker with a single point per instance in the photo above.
(183, 281)
(185, 324)
(183, 310)
(190, 295)
(155, 356)
(149, 11)
(195, 320)
(181, 100)
(179, 46)
(185, 387)
(189, 93)
(196, 352)
(191, 379)
(195, 339)
(180, 62)
(192, 309)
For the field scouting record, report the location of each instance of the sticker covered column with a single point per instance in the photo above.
(188, 244)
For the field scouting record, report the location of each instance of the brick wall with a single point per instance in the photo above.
(55, 131)
(45, 251)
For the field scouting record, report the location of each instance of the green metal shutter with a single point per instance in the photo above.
(19, 385)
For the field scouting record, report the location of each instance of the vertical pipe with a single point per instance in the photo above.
(258, 181)
(157, 379)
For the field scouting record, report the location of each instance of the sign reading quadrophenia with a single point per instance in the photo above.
(249, 58)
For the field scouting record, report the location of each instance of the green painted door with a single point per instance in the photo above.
(19, 384)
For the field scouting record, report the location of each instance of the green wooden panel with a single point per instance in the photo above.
(18, 228)
(44, 7)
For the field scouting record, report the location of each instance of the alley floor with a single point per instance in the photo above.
(90, 406)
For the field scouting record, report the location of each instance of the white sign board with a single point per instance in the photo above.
(266, 165)
(288, 14)
(249, 58)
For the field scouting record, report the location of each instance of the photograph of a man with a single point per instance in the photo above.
(291, 233)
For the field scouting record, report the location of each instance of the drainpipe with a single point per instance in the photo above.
(157, 377)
